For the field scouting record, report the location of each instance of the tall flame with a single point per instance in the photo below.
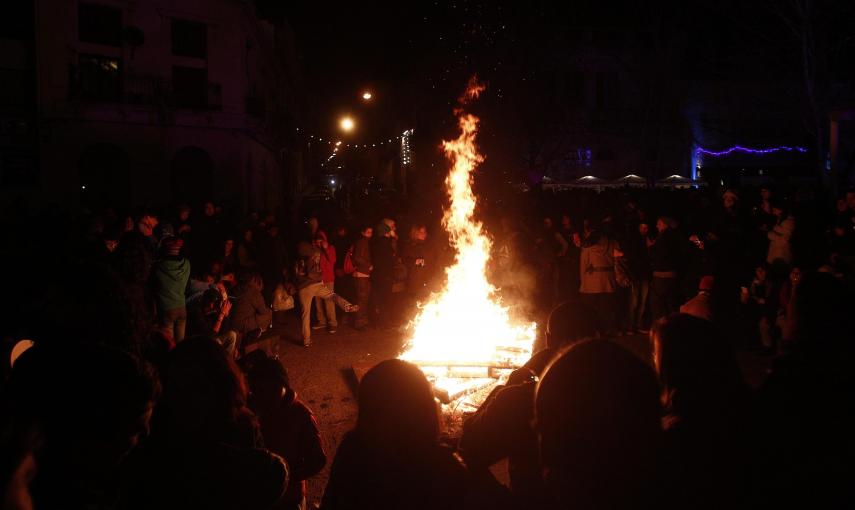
(465, 322)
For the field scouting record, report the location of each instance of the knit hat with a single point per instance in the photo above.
(172, 246)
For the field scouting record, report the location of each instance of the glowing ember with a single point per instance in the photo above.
(463, 334)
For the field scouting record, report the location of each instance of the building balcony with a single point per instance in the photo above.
(145, 91)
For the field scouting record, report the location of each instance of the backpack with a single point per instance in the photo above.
(347, 267)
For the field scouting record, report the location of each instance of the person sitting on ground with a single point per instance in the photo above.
(393, 458)
(205, 449)
(288, 427)
(251, 317)
(502, 426)
(707, 406)
(170, 274)
(206, 316)
(598, 419)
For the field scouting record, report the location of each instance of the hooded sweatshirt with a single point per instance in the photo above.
(170, 276)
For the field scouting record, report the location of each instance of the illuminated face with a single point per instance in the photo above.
(421, 234)
(643, 229)
(368, 232)
(661, 226)
(147, 225)
(209, 209)
(229, 245)
(729, 201)
(184, 214)
(760, 273)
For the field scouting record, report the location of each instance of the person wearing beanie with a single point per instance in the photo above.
(701, 305)
(384, 255)
(170, 275)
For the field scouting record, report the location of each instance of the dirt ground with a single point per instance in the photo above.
(324, 378)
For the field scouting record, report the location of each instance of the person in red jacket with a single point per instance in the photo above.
(325, 308)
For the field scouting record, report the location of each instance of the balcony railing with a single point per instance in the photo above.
(146, 90)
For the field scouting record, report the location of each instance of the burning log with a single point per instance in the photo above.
(448, 395)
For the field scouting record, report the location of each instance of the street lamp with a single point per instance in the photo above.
(346, 124)
(367, 95)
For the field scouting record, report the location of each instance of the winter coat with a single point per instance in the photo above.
(667, 251)
(308, 268)
(250, 312)
(328, 259)
(292, 432)
(363, 478)
(362, 255)
(597, 266)
(170, 276)
(779, 241)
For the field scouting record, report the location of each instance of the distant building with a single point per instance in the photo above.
(624, 110)
(157, 102)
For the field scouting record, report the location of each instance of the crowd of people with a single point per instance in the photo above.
(154, 379)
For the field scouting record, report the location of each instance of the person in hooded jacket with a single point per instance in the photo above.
(288, 427)
(170, 274)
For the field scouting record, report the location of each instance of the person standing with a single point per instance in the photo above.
(384, 255)
(363, 268)
(325, 308)
(597, 271)
(416, 259)
(310, 285)
(665, 253)
(170, 274)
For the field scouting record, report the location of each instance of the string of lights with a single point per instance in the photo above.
(747, 150)
(406, 153)
(338, 143)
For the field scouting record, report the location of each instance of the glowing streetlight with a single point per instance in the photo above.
(367, 95)
(346, 124)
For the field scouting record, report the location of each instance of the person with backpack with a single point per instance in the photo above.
(310, 285)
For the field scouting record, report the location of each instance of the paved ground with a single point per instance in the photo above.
(323, 377)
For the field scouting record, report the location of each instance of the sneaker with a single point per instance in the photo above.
(307, 343)
(350, 308)
(319, 326)
(332, 329)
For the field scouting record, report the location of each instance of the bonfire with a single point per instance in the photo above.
(464, 337)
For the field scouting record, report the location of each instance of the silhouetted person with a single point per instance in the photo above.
(707, 414)
(363, 267)
(92, 404)
(502, 426)
(598, 419)
(288, 427)
(393, 458)
(205, 450)
(805, 407)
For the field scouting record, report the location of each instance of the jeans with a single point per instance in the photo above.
(363, 293)
(175, 321)
(638, 291)
(325, 309)
(320, 291)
